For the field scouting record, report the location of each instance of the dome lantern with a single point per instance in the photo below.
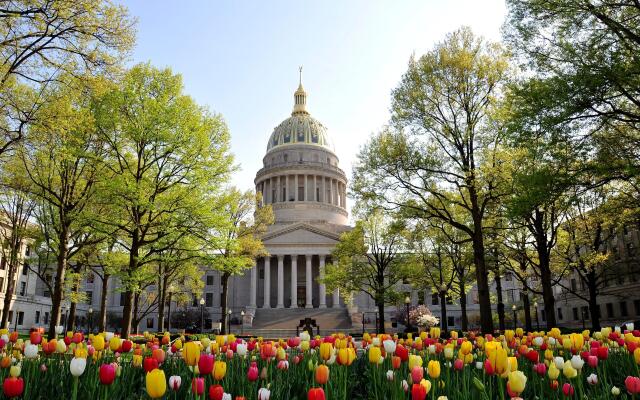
(300, 98)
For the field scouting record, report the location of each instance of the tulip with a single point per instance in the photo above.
(592, 379)
(264, 394)
(205, 364)
(636, 355)
(433, 369)
(554, 372)
(156, 383)
(389, 346)
(418, 392)
(31, 351)
(517, 381)
(458, 364)
(126, 346)
(13, 387)
(316, 394)
(325, 350)
(427, 385)
(346, 356)
(414, 360)
(374, 355)
(603, 353)
(252, 372)
(175, 381)
(61, 347)
(136, 360)
(15, 370)
(107, 374)
(402, 352)
(98, 342)
(322, 374)
(417, 373)
(150, 364)
(448, 353)
(283, 365)
(615, 391)
(191, 353)
(632, 383)
(577, 362)
(158, 354)
(540, 368)
(219, 370)
(241, 349)
(115, 343)
(568, 371)
(567, 389)
(77, 366)
(197, 386)
(35, 338)
(592, 361)
(216, 392)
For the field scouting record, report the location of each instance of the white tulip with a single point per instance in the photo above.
(264, 394)
(432, 349)
(59, 329)
(592, 379)
(630, 326)
(405, 385)
(479, 365)
(538, 341)
(577, 362)
(108, 336)
(552, 341)
(390, 375)
(304, 336)
(77, 366)
(559, 362)
(332, 359)
(389, 346)
(226, 396)
(375, 342)
(175, 381)
(31, 350)
(241, 349)
(5, 338)
(617, 329)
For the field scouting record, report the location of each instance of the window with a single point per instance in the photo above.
(450, 321)
(25, 269)
(150, 323)
(508, 277)
(1, 284)
(574, 285)
(122, 298)
(90, 278)
(575, 313)
(27, 251)
(273, 196)
(262, 273)
(89, 297)
(10, 316)
(46, 317)
(636, 305)
(623, 309)
(23, 288)
(209, 280)
(37, 317)
(434, 299)
(300, 193)
(585, 312)
(300, 154)
(3, 262)
(194, 302)
(610, 310)
(631, 251)
(543, 315)
(560, 317)
(421, 297)
(284, 193)
(317, 194)
(20, 317)
(209, 299)
(286, 157)
(582, 285)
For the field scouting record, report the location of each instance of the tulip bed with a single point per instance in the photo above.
(512, 365)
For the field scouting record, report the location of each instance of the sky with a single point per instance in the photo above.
(241, 59)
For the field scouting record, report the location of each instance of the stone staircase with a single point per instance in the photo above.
(282, 323)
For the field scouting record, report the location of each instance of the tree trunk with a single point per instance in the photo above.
(443, 312)
(58, 286)
(71, 319)
(127, 311)
(224, 280)
(162, 302)
(463, 307)
(11, 277)
(545, 270)
(380, 305)
(498, 279)
(527, 312)
(169, 313)
(102, 323)
(135, 320)
(593, 301)
(482, 281)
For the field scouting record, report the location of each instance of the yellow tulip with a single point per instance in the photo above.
(346, 356)
(636, 355)
(553, 372)
(426, 385)
(191, 353)
(98, 342)
(219, 370)
(434, 332)
(414, 361)
(519, 332)
(304, 345)
(466, 347)
(178, 344)
(114, 343)
(206, 342)
(566, 343)
(433, 369)
(375, 354)
(509, 334)
(568, 371)
(15, 371)
(326, 349)
(137, 360)
(281, 354)
(517, 381)
(454, 335)
(448, 352)
(513, 364)
(156, 383)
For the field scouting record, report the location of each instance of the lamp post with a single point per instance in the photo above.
(90, 319)
(407, 302)
(242, 323)
(201, 316)
(514, 308)
(229, 321)
(535, 306)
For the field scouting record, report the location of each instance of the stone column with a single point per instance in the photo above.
(297, 190)
(306, 187)
(322, 292)
(308, 302)
(294, 281)
(315, 188)
(254, 287)
(336, 295)
(280, 282)
(267, 282)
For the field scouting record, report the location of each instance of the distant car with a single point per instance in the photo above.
(630, 324)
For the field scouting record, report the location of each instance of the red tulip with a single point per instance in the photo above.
(541, 369)
(216, 392)
(2, 343)
(150, 364)
(395, 362)
(402, 352)
(107, 374)
(603, 353)
(316, 394)
(35, 338)
(592, 361)
(418, 392)
(458, 364)
(252, 373)
(197, 386)
(567, 389)
(205, 364)
(488, 368)
(126, 346)
(13, 387)
(416, 374)
(67, 340)
(632, 384)
(78, 337)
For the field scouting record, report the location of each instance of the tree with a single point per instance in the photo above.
(63, 161)
(16, 211)
(444, 153)
(167, 158)
(368, 260)
(43, 40)
(238, 241)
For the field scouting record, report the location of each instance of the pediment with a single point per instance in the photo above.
(300, 233)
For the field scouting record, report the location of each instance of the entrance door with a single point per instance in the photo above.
(302, 296)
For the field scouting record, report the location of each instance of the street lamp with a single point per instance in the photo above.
(514, 308)
(242, 324)
(201, 316)
(407, 302)
(229, 321)
(535, 306)
(90, 319)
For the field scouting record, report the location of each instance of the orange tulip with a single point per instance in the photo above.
(322, 374)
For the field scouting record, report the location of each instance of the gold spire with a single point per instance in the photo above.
(300, 97)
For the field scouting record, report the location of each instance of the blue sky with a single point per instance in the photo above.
(241, 58)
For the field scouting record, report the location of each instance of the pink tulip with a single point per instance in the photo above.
(632, 384)
(592, 361)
